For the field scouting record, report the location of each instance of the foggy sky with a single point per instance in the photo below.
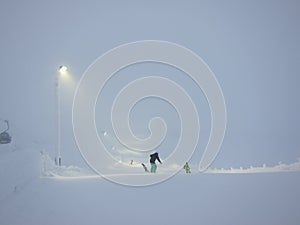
(252, 47)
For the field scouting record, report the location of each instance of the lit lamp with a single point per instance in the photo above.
(61, 71)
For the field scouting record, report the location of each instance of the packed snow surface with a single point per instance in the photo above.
(35, 191)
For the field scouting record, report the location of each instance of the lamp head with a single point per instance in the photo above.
(62, 69)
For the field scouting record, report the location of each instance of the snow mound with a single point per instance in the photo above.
(49, 169)
(280, 167)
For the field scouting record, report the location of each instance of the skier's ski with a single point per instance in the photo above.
(145, 168)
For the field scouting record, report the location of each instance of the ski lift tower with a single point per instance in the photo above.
(62, 70)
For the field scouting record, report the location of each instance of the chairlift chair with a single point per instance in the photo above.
(5, 138)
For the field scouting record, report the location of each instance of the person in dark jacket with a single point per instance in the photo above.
(153, 158)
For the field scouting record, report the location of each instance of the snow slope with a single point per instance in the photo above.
(31, 196)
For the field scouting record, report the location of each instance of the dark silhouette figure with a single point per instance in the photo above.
(153, 158)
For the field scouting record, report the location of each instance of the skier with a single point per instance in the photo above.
(187, 168)
(153, 158)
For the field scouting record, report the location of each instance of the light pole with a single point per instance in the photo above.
(61, 71)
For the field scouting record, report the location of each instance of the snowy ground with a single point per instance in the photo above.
(33, 191)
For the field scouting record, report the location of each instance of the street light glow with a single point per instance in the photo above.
(62, 69)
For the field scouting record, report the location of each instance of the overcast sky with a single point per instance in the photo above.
(253, 48)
